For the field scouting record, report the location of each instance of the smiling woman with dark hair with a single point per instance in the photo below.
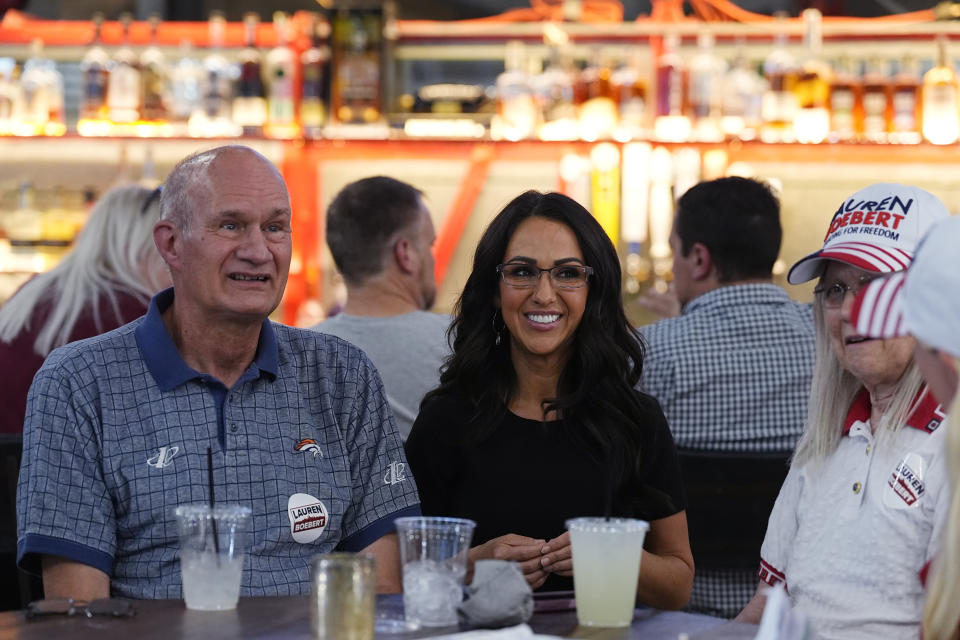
(536, 418)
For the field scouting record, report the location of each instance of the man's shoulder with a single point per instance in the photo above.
(90, 351)
(311, 349)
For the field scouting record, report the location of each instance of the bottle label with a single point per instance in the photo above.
(904, 110)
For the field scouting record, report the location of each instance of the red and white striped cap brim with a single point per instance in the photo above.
(877, 311)
(869, 257)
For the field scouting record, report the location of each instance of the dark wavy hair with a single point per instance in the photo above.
(596, 387)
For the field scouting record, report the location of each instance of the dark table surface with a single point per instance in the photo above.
(288, 618)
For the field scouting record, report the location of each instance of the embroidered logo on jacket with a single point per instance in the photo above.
(396, 472)
(906, 483)
(309, 444)
(164, 457)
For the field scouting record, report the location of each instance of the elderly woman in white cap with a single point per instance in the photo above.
(861, 507)
(925, 303)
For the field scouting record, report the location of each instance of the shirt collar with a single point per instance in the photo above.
(738, 294)
(164, 361)
(927, 415)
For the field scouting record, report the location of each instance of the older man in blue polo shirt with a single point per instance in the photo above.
(118, 426)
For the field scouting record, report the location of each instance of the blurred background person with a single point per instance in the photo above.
(861, 510)
(105, 281)
(536, 419)
(381, 235)
(924, 303)
(732, 373)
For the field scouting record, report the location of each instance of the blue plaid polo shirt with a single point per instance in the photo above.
(116, 437)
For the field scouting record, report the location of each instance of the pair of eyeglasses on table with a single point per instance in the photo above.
(104, 607)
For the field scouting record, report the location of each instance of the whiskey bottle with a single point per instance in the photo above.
(706, 73)
(281, 66)
(356, 95)
(877, 102)
(811, 123)
(779, 103)
(315, 67)
(941, 118)
(154, 79)
(123, 89)
(96, 74)
(846, 105)
(249, 102)
(672, 123)
(905, 103)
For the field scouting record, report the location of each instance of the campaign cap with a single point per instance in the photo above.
(876, 229)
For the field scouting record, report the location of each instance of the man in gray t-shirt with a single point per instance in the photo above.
(380, 234)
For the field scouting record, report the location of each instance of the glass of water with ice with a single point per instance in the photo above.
(212, 546)
(433, 551)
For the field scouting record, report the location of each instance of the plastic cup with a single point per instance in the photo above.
(211, 571)
(433, 552)
(343, 596)
(606, 566)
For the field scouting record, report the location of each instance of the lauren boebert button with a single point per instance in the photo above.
(906, 486)
(308, 517)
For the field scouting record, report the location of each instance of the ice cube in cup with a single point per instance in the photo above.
(212, 570)
(433, 551)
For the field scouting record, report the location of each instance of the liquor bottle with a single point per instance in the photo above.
(630, 93)
(671, 124)
(249, 102)
(598, 110)
(281, 70)
(941, 118)
(154, 78)
(877, 102)
(186, 89)
(96, 74)
(355, 95)
(39, 111)
(217, 88)
(706, 73)
(846, 102)
(123, 89)
(517, 112)
(905, 103)
(811, 124)
(8, 94)
(554, 93)
(741, 94)
(779, 103)
(314, 89)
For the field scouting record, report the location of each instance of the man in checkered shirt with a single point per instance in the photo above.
(732, 372)
(118, 426)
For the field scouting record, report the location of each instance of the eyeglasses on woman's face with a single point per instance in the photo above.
(109, 607)
(526, 276)
(833, 294)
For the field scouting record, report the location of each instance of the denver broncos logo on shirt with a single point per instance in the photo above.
(309, 444)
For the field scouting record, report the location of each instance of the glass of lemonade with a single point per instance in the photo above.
(211, 572)
(606, 566)
(433, 552)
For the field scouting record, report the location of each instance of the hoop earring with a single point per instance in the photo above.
(497, 337)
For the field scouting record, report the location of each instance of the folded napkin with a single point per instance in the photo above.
(519, 632)
(498, 596)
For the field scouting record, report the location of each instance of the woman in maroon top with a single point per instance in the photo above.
(105, 281)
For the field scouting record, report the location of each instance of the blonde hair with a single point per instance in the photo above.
(941, 614)
(113, 253)
(832, 391)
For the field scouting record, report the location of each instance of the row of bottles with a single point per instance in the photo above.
(706, 99)
(322, 76)
(283, 92)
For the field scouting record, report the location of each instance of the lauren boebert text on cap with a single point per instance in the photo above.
(876, 229)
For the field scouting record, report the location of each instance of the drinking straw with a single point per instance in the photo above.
(213, 519)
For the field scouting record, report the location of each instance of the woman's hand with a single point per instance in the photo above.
(516, 548)
(557, 556)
